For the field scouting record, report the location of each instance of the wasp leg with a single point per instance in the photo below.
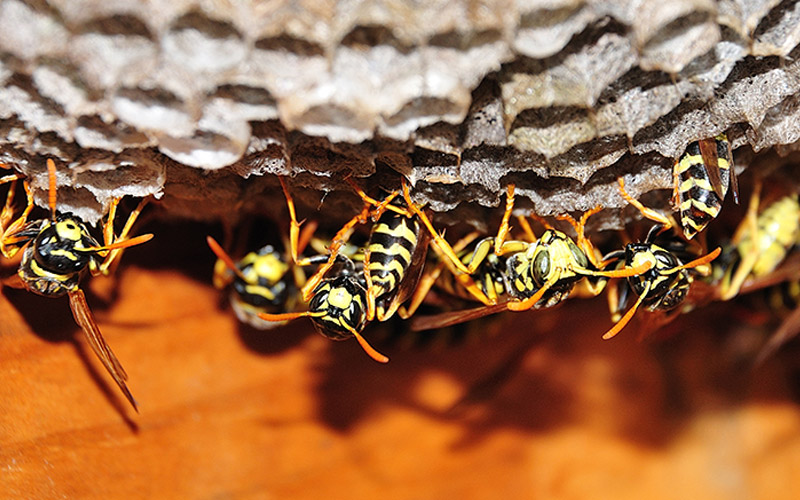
(445, 250)
(526, 228)
(423, 288)
(10, 178)
(294, 229)
(730, 286)
(464, 279)
(429, 278)
(502, 231)
(9, 245)
(648, 213)
(580, 229)
(333, 249)
(339, 239)
(114, 245)
(380, 206)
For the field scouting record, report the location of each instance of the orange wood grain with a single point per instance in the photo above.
(228, 412)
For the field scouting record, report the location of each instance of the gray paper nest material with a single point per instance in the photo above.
(200, 101)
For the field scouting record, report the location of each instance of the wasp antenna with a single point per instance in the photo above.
(51, 191)
(118, 244)
(628, 315)
(626, 272)
(287, 316)
(533, 299)
(698, 262)
(224, 257)
(380, 358)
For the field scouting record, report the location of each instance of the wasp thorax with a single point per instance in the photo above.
(268, 265)
(638, 254)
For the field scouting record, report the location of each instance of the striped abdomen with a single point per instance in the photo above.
(699, 201)
(392, 246)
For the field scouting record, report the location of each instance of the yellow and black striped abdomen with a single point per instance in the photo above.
(391, 247)
(699, 201)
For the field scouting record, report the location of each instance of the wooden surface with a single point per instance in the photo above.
(228, 412)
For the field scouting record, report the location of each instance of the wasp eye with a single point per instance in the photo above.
(541, 266)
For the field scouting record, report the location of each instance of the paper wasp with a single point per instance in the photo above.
(263, 281)
(540, 272)
(761, 241)
(345, 295)
(665, 284)
(701, 177)
(58, 251)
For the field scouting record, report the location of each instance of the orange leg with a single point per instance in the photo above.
(294, 229)
(580, 229)
(502, 232)
(444, 247)
(380, 206)
(115, 244)
(8, 243)
(339, 239)
(526, 228)
(648, 213)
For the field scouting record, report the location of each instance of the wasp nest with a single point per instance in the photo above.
(196, 101)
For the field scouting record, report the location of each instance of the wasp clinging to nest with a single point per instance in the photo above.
(701, 177)
(665, 284)
(518, 275)
(263, 281)
(58, 251)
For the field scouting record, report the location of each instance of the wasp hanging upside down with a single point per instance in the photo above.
(665, 284)
(58, 251)
(537, 273)
(701, 177)
(263, 281)
(762, 240)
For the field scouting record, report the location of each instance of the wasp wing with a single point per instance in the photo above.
(414, 272)
(708, 150)
(85, 319)
(455, 317)
(785, 332)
